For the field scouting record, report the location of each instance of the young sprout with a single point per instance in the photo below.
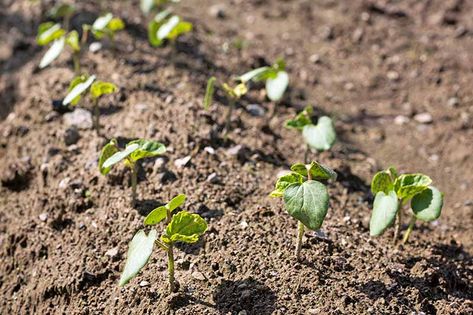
(106, 25)
(83, 83)
(181, 227)
(147, 6)
(305, 196)
(64, 11)
(233, 94)
(393, 191)
(165, 27)
(134, 151)
(320, 137)
(275, 77)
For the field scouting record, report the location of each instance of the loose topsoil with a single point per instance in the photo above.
(396, 76)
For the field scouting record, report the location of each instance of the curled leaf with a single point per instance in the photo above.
(107, 151)
(322, 136)
(186, 227)
(409, 185)
(99, 88)
(146, 148)
(284, 181)
(427, 205)
(382, 181)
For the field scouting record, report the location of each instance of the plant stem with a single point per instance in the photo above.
(397, 231)
(229, 117)
(409, 230)
(172, 281)
(96, 116)
(306, 154)
(300, 234)
(76, 61)
(134, 180)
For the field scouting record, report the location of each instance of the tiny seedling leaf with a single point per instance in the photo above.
(48, 32)
(117, 157)
(181, 28)
(61, 10)
(186, 227)
(257, 74)
(322, 136)
(409, 185)
(77, 90)
(101, 22)
(176, 202)
(72, 39)
(381, 182)
(302, 119)
(284, 181)
(156, 216)
(146, 148)
(307, 202)
(385, 208)
(427, 205)
(53, 52)
(167, 27)
(317, 171)
(146, 6)
(209, 92)
(108, 150)
(275, 87)
(240, 90)
(115, 24)
(139, 251)
(99, 88)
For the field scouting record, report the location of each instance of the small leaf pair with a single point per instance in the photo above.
(181, 227)
(320, 137)
(392, 191)
(305, 197)
(107, 25)
(134, 151)
(165, 27)
(275, 78)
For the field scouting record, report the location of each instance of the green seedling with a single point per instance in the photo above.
(62, 11)
(305, 196)
(50, 32)
(105, 25)
(83, 83)
(319, 137)
(147, 6)
(181, 227)
(233, 94)
(392, 192)
(275, 77)
(165, 26)
(134, 151)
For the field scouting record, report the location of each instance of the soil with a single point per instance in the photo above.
(371, 65)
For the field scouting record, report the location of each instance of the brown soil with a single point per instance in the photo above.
(62, 251)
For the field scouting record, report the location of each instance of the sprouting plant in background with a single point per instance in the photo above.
(148, 6)
(165, 26)
(134, 151)
(84, 83)
(181, 227)
(305, 196)
(233, 94)
(105, 25)
(392, 192)
(319, 137)
(275, 77)
(62, 11)
(50, 32)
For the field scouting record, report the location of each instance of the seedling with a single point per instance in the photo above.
(181, 227)
(319, 137)
(50, 32)
(105, 25)
(392, 192)
(134, 151)
(275, 78)
(305, 196)
(147, 6)
(233, 94)
(83, 83)
(64, 11)
(165, 27)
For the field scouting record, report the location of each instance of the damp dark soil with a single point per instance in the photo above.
(395, 75)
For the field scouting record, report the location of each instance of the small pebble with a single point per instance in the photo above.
(423, 118)
(113, 252)
(255, 110)
(401, 120)
(197, 275)
(144, 283)
(213, 178)
(393, 75)
(453, 102)
(43, 216)
(209, 150)
(95, 46)
(182, 161)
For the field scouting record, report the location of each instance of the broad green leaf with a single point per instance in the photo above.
(381, 182)
(101, 22)
(61, 10)
(115, 24)
(181, 28)
(385, 208)
(186, 227)
(255, 74)
(176, 202)
(302, 119)
(322, 136)
(99, 88)
(72, 39)
(167, 27)
(299, 168)
(275, 87)
(108, 150)
(53, 52)
(120, 155)
(156, 216)
(284, 181)
(409, 185)
(427, 205)
(146, 148)
(319, 171)
(139, 251)
(48, 32)
(307, 202)
(209, 92)
(78, 90)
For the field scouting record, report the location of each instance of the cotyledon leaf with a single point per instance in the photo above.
(385, 208)
(117, 157)
(108, 150)
(276, 86)
(176, 202)
(427, 205)
(156, 216)
(322, 136)
(186, 227)
(78, 90)
(53, 52)
(146, 148)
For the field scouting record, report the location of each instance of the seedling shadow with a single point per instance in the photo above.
(247, 294)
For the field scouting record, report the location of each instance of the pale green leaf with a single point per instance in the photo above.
(322, 136)
(307, 202)
(156, 216)
(167, 27)
(409, 185)
(186, 227)
(119, 156)
(382, 181)
(146, 148)
(181, 28)
(284, 181)
(139, 251)
(107, 151)
(78, 90)
(115, 24)
(48, 32)
(53, 52)
(385, 208)
(101, 22)
(72, 39)
(427, 205)
(61, 10)
(100, 88)
(275, 87)
(302, 119)
(209, 92)
(176, 202)
(255, 74)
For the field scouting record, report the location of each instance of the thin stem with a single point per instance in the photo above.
(306, 154)
(85, 35)
(412, 223)
(76, 61)
(96, 116)
(300, 234)
(229, 117)
(397, 231)
(134, 180)
(67, 19)
(172, 280)
(162, 245)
